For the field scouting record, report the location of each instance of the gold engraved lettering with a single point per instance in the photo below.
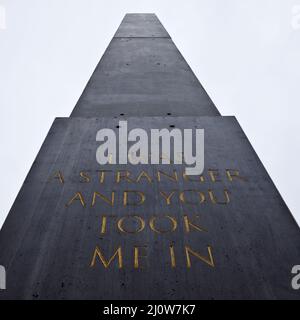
(209, 260)
(214, 200)
(77, 196)
(214, 174)
(234, 174)
(85, 176)
(98, 253)
(103, 225)
(127, 203)
(139, 219)
(110, 201)
(199, 193)
(172, 256)
(189, 178)
(167, 197)
(102, 175)
(170, 177)
(188, 225)
(123, 174)
(58, 175)
(138, 255)
(144, 174)
(154, 228)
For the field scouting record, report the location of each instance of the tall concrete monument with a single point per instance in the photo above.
(80, 230)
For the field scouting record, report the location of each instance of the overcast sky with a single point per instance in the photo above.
(245, 53)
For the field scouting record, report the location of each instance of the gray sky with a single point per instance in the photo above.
(244, 52)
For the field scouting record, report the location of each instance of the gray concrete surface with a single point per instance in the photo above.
(244, 239)
(142, 73)
(47, 247)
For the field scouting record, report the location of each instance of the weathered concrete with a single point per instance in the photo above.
(48, 247)
(140, 25)
(142, 73)
(233, 217)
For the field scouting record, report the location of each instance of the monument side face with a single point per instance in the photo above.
(78, 230)
(142, 73)
(148, 232)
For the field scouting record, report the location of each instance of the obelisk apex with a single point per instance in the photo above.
(142, 73)
(141, 25)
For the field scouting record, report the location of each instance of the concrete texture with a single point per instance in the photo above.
(47, 247)
(140, 25)
(142, 73)
(243, 233)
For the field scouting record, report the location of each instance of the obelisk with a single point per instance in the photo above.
(78, 230)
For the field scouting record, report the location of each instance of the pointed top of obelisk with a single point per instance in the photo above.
(141, 25)
(142, 73)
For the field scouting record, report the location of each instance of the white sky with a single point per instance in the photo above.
(244, 52)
